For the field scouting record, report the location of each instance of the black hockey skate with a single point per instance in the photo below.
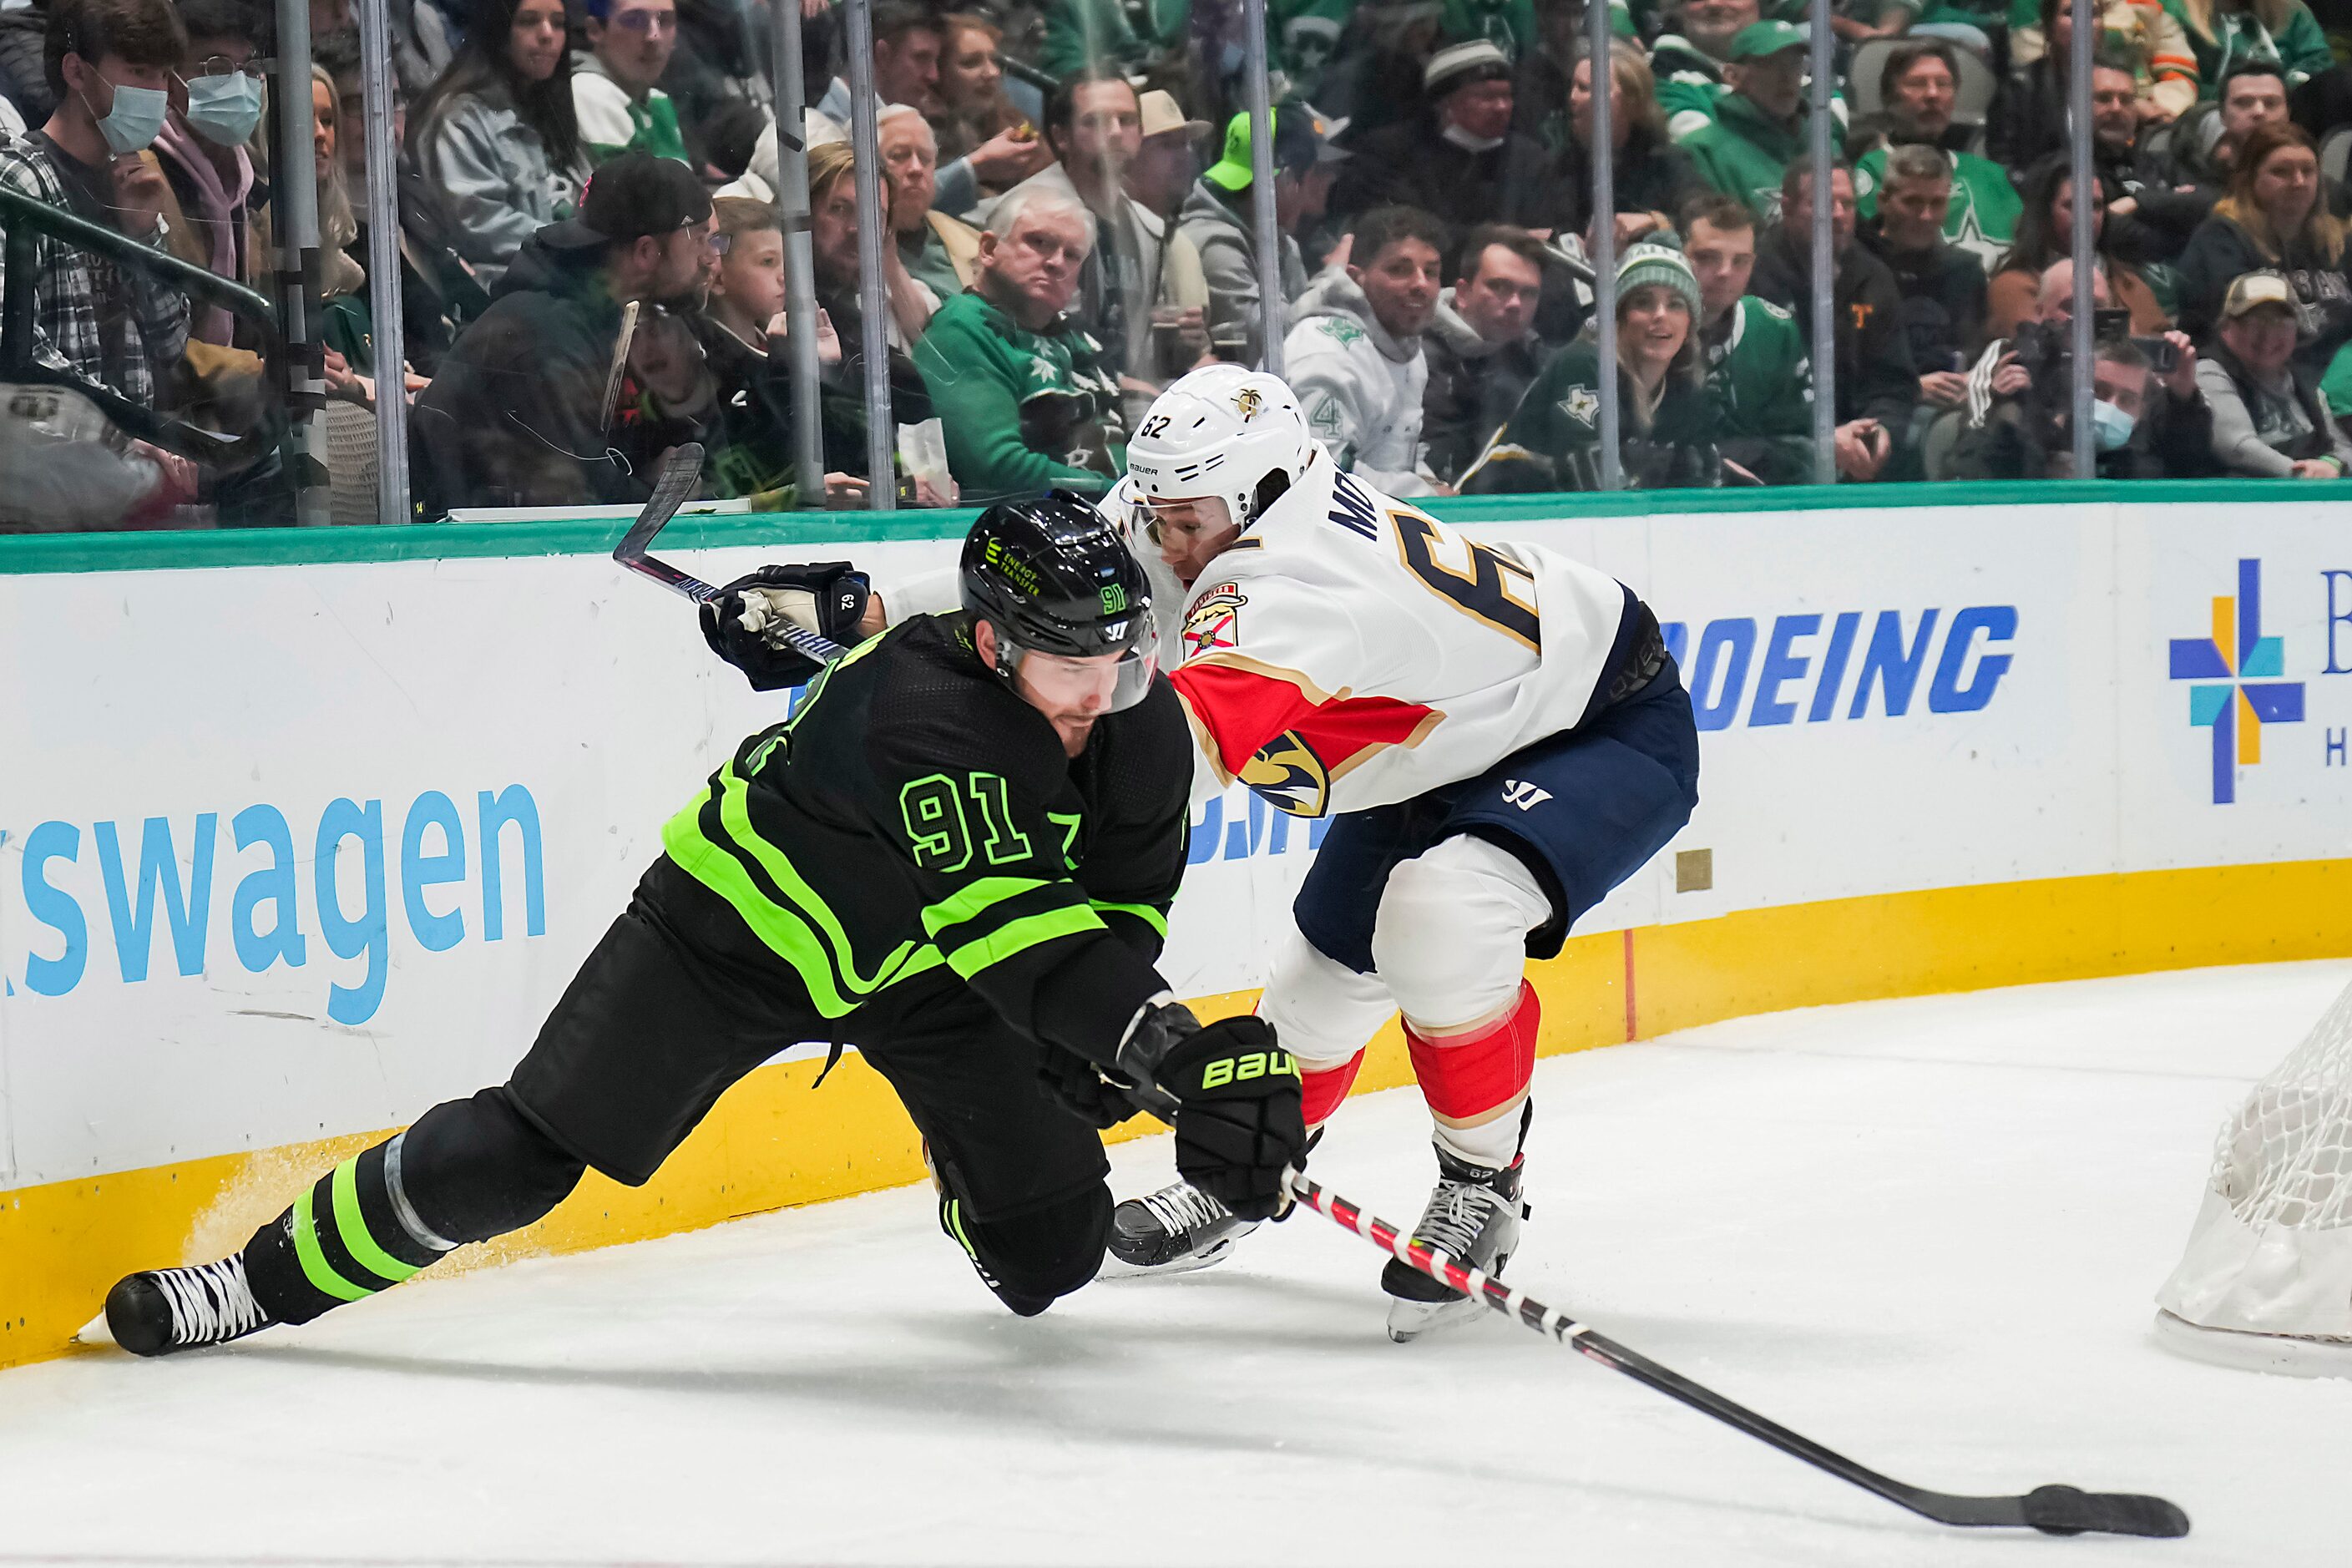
(162, 1311)
(1174, 1230)
(1473, 1217)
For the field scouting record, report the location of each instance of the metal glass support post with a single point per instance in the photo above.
(873, 303)
(1265, 229)
(799, 257)
(384, 301)
(1605, 244)
(1824, 332)
(2079, 245)
(295, 197)
(24, 249)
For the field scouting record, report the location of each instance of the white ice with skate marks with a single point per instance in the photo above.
(1923, 1232)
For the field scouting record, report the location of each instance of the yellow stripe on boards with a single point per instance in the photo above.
(2002, 933)
(770, 1144)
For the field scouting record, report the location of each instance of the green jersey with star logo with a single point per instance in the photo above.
(1508, 25)
(1024, 411)
(1761, 379)
(1983, 219)
(1742, 153)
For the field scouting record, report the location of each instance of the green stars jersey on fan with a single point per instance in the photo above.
(1760, 379)
(1983, 219)
(1508, 25)
(1024, 411)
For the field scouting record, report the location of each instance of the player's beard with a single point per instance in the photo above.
(1074, 731)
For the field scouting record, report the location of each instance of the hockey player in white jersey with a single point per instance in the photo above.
(1498, 731)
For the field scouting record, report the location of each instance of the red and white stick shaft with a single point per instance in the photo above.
(1415, 1253)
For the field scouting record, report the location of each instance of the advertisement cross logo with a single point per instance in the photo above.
(2239, 663)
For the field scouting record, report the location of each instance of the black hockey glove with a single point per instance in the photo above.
(831, 593)
(1237, 1122)
(1079, 1087)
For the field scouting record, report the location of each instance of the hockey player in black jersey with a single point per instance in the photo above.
(957, 855)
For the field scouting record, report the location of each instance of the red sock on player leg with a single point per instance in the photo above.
(1322, 1090)
(1465, 1077)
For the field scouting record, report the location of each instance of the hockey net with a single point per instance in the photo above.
(2267, 1278)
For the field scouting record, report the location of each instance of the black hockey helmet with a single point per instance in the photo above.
(1052, 576)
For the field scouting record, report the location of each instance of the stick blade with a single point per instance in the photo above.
(2068, 1510)
(672, 488)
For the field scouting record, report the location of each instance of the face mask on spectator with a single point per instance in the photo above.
(132, 123)
(1469, 143)
(223, 109)
(2110, 426)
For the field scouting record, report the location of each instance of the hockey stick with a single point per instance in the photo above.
(678, 477)
(2053, 1510)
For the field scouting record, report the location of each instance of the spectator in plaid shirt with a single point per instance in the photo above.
(110, 62)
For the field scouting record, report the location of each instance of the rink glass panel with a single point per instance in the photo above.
(1364, 66)
(315, 848)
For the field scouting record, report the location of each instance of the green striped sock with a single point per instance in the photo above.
(342, 1240)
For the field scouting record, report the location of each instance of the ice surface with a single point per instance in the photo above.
(1923, 1232)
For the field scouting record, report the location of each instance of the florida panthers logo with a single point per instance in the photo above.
(1249, 402)
(1215, 620)
(1289, 775)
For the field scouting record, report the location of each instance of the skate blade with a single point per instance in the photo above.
(1410, 1320)
(1115, 1268)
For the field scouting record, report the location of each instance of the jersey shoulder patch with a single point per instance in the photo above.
(1340, 330)
(1213, 621)
(1776, 312)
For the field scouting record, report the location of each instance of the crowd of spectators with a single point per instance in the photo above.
(591, 250)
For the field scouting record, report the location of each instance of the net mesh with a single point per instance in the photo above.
(2286, 1158)
(2270, 1256)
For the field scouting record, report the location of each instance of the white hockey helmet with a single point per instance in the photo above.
(1221, 431)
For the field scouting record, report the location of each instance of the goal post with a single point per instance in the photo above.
(2266, 1281)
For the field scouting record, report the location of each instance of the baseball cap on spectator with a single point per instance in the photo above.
(1302, 139)
(1460, 65)
(2253, 290)
(629, 197)
(1661, 264)
(1761, 40)
(1161, 115)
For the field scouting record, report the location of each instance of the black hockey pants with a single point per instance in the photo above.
(672, 1008)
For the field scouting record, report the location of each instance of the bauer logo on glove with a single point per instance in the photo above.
(1242, 1068)
(1240, 1129)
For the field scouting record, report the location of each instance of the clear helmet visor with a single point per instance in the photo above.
(1187, 534)
(1178, 521)
(1102, 684)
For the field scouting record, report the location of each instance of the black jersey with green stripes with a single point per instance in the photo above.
(915, 814)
